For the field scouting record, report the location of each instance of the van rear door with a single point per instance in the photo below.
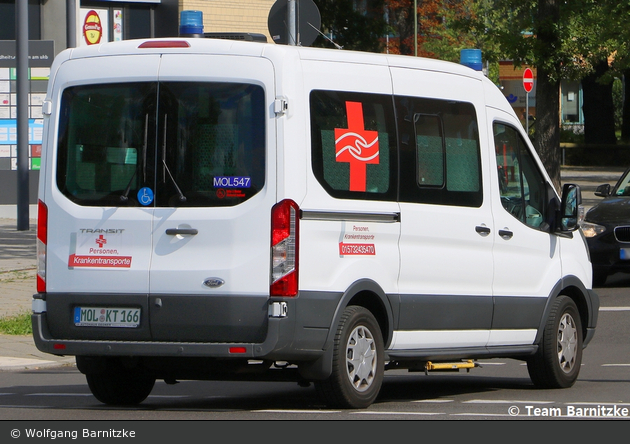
(209, 277)
(98, 239)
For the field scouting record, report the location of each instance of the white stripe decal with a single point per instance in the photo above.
(413, 339)
(614, 308)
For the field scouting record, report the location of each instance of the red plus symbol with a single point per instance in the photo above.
(101, 241)
(357, 146)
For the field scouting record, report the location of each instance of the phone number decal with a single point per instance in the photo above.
(356, 249)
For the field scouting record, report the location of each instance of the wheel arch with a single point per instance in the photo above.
(368, 294)
(587, 303)
(364, 293)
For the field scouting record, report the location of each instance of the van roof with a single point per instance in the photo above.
(280, 53)
(271, 50)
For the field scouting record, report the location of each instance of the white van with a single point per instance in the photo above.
(223, 210)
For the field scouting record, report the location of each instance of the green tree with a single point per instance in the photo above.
(448, 38)
(532, 32)
(361, 28)
(572, 40)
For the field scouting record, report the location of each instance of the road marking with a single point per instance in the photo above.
(615, 365)
(614, 308)
(504, 401)
(597, 403)
(434, 400)
(296, 411)
(58, 394)
(8, 406)
(398, 413)
(482, 414)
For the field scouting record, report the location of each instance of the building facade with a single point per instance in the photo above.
(97, 21)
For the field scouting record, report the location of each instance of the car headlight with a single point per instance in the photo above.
(590, 229)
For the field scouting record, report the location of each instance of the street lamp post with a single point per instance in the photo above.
(415, 28)
(22, 114)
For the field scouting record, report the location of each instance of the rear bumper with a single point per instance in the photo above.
(277, 346)
(300, 335)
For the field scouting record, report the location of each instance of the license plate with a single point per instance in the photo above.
(106, 317)
(624, 254)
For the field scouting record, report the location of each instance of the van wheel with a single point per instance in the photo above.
(358, 361)
(120, 386)
(559, 357)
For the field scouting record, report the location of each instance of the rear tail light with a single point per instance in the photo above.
(42, 241)
(284, 248)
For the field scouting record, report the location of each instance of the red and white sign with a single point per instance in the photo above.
(357, 146)
(100, 249)
(528, 80)
(92, 26)
(92, 29)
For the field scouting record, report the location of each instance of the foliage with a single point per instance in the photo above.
(563, 40)
(617, 93)
(359, 29)
(16, 325)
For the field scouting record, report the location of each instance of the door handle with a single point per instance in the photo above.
(482, 229)
(506, 234)
(181, 231)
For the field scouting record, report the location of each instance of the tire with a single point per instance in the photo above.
(358, 361)
(559, 357)
(120, 386)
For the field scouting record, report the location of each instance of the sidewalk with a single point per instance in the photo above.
(18, 268)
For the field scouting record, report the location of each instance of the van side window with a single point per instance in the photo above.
(353, 141)
(440, 152)
(521, 184)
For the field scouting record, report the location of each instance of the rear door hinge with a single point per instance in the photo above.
(47, 107)
(280, 106)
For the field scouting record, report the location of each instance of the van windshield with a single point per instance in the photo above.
(181, 143)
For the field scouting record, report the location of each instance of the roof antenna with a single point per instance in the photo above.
(325, 36)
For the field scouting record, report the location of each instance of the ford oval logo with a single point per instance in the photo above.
(213, 282)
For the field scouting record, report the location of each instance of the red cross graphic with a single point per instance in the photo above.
(357, 146)
(101, 241)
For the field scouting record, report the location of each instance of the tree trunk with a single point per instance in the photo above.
(625, 119)
(598, 107)
(547, 138)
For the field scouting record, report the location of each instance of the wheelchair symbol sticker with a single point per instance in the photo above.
(145, 196)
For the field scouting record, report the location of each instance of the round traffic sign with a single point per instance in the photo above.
(528, 80)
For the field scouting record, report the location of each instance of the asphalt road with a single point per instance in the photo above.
(500, 389)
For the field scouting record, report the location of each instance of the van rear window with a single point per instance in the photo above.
(181, 143)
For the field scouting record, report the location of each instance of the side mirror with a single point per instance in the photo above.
(570, 208)
(603, 190)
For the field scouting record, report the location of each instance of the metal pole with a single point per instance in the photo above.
(291, 21)
(22, 115)
(415, 28)
(527, 114)
(71, 23)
